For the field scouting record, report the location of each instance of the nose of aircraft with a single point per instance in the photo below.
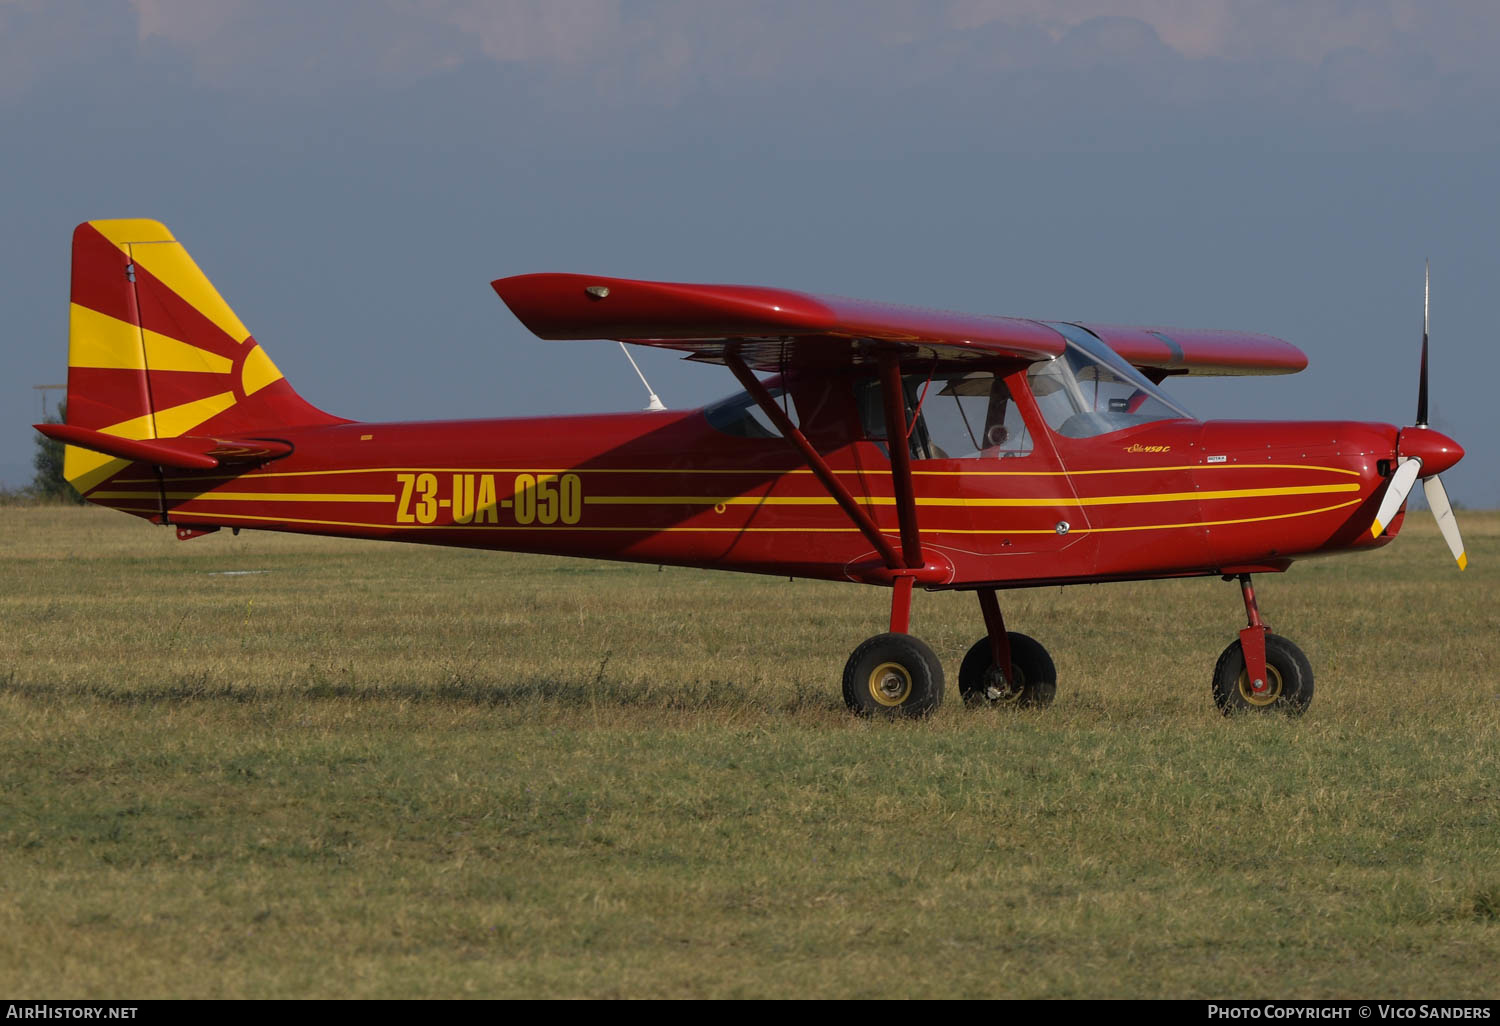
(1428, 453)
(1436, 450)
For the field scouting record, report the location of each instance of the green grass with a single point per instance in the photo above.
(386, 771)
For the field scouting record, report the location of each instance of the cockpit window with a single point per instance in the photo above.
(1090, 390)
(741, 415)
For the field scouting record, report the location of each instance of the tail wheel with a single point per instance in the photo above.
(893, 675)
(1289, 680)
(1032, 681)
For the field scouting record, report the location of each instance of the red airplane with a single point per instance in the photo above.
(892, 446)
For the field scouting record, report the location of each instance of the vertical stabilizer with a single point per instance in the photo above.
(155, 352)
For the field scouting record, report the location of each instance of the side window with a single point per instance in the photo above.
(741, 415)
(963, 416)
(972, 415)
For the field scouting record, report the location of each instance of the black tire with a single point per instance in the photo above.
(893, 675)
(1290, 674)
(1032, 682)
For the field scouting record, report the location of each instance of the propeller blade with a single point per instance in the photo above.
(1442, 510)
(1395, 494)
(1422, 382)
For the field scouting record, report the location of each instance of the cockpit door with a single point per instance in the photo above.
(1024, 509)
(987, 476)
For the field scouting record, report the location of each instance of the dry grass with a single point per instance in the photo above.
(375, 770)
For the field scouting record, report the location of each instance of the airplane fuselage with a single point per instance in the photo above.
(1172, 498)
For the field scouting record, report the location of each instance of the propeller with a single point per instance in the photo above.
(1395, 494)
(1437, 501)
(1417, 447)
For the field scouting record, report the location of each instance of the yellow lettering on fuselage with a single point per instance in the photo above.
(427, 508)
(474, 499)
(463, 498)
(487, 511)
(403, 506)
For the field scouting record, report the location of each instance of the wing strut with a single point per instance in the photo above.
(908, 566)
(816, 463)
(895, 440)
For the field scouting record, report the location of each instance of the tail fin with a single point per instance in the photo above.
(154, 352)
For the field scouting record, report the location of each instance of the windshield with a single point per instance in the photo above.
(1090, 390)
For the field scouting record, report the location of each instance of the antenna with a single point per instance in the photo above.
(654, 403)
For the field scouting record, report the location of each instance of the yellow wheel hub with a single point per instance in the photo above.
(1266, 697)
(890, 684)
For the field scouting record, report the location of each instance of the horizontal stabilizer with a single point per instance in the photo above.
(185, 452)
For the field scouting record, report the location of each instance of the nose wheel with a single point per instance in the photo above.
(1288, 686)
(1261, 672)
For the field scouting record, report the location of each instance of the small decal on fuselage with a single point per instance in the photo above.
(1148, 448)
(1217, 459)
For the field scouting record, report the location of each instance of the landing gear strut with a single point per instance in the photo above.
(895, 674)
(1261, 672)
(1030, 680)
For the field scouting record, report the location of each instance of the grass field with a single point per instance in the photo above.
(371, 770)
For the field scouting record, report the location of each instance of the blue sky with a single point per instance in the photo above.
(352, 175)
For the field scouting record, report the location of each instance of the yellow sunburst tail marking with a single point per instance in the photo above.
(122, 231)
(149, 244)
(179, 420)
(258, 371)
(101, 341)
(155, 351)
(85, 468)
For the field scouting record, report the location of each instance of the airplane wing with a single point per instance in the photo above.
(1164, 352)
(769, 326)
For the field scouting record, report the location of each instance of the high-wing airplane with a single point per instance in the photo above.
(890, 446)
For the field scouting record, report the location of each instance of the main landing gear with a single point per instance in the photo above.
(1261, 672)
(895, 674)
(1003, 667)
